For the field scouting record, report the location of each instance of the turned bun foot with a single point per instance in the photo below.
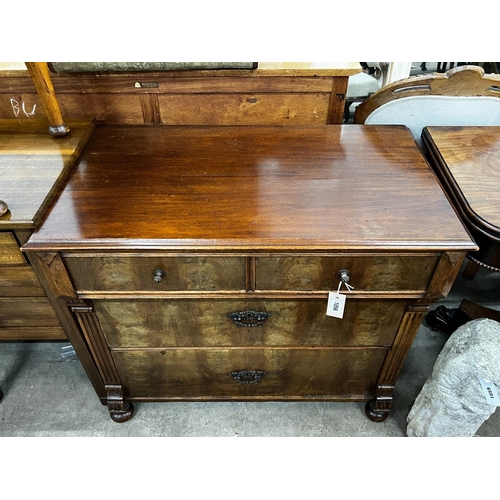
(374, 415)
(123, 416)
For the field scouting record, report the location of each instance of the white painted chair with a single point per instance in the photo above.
(462, 96)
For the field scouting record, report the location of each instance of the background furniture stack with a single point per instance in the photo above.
(463, 96)
(467, 162)
(454, 117)
(280, 93)
(33, 166)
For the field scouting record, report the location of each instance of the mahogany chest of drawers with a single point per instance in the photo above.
(195, 263)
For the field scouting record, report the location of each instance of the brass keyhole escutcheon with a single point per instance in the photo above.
(249, 318)
(247, 376)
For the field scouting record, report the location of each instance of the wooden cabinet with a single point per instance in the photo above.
(281, 93)
(33, 166)
(25, 311)
(196, 263)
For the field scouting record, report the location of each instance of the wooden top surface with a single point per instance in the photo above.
(221, 188)
(33, 165)
(472, 156)
(308, 68)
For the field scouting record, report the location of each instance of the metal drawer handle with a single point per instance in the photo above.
(247, 376)
(249, 318)
(158, 275)
(344, 275)
(4, 208)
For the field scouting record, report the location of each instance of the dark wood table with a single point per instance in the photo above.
(467, 163)
(195, 263)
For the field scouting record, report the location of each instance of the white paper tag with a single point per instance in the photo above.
(336, 304)
(490, 392)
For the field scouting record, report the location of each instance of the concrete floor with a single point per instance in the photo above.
(48, 395)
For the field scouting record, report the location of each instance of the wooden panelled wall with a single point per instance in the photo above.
(193, 98)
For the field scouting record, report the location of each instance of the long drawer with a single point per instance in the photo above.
(293, 273)
(25, 311)
(272, 322)
(244, 109)
(19, 281)
(250, 373)
(30, 312)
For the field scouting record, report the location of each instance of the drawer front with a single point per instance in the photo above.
(190, 322)
(105, 107)
(371, 273)
(138, 273)
(244, 109)
(10, 253)
(19, 281)
(27, 312)
(40, 333)
(206, 373)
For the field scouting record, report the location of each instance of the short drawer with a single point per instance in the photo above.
(10, 253)
(27, 312)
(157, 273)
(190, 322)
(19, 281)
(329, 373)
(370, 273)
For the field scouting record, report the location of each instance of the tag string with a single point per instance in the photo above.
(349, 287)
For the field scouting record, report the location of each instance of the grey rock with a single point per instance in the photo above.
(451, 402)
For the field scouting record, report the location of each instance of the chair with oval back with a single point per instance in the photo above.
(464, 95)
